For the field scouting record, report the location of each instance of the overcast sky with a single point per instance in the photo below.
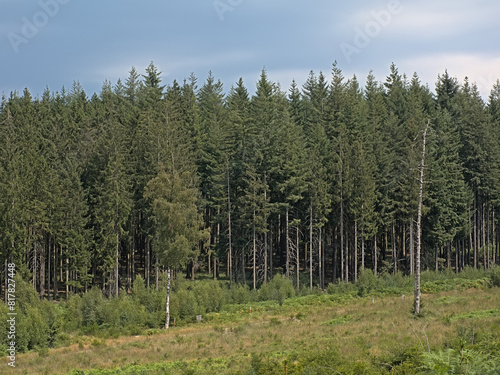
(55, 42)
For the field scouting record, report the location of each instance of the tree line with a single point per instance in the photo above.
(316, 182)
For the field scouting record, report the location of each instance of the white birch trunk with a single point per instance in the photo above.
(167, 302)
(419, 226)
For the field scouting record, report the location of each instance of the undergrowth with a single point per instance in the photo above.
(44, 324)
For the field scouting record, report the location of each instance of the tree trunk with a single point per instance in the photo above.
(475, 231)
(494, 246)
(268, 249)
(167, 302)
(214, 256)
(268, 255)
(310, 247)
(355, 250)
(67, 278)
(488, 236)
(341, 239)
(448, 255)
(254, 254)
(412, 249)
(56, 264)
(157, 272)
(297, 263)
(42, 272)
(230, 253)
(347, 257)
(35, 259)
(419, 226)
(394, 252)
(320, 261)
(148, 261)
(117, 263)
(287, 246)
(49, 273)
(243, 274)
(362, 249)
(483, 234)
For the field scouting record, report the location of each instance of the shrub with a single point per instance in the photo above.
(209, 295)
(495, 276)
(32, 330)
(341, 288)
(452, 361)
(183, 304)
(240, 294)
(92, 302)
(367, 282)
(278, 289)
(73, 314)
(26, 295)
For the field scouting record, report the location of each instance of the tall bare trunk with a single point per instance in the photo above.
(342, 265)
(148, 261)
(297, 264)
(42, 272)
(254, 254)
(267, 249)
(310, 247)
(475, 231)
(347, 257)
(412, 249)
(67, 278)
(394, 251)
(483, 232)
(167, 302)
(117, 260)
(355, 250)
(49, 274)
(419, 225)
(362, 249)
(230, 255)
(287, 246)
(320, 261)
(494, 246)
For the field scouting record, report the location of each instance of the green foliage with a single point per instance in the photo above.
(339, 320)
(367, 282)
(209, 296)
(73, 313)
(240, 294)
(477, 315)
(278, 289)
(465, 361)
(495, 276)
(91, 304)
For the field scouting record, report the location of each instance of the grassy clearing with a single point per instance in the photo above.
(306, 335)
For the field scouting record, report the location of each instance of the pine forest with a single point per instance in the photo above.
(314, 182)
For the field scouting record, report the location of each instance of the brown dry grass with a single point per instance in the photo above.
(380, 329)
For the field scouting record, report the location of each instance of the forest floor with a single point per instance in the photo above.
(306, 335)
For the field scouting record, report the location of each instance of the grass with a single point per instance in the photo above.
(312, 334)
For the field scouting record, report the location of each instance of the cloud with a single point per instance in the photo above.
(173, 67)
(482, 69)
(428, 19)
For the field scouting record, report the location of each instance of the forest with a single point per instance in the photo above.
(315, 183)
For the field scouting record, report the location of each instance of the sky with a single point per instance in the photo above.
(54, 43)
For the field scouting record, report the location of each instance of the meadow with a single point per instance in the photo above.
(363, 328)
